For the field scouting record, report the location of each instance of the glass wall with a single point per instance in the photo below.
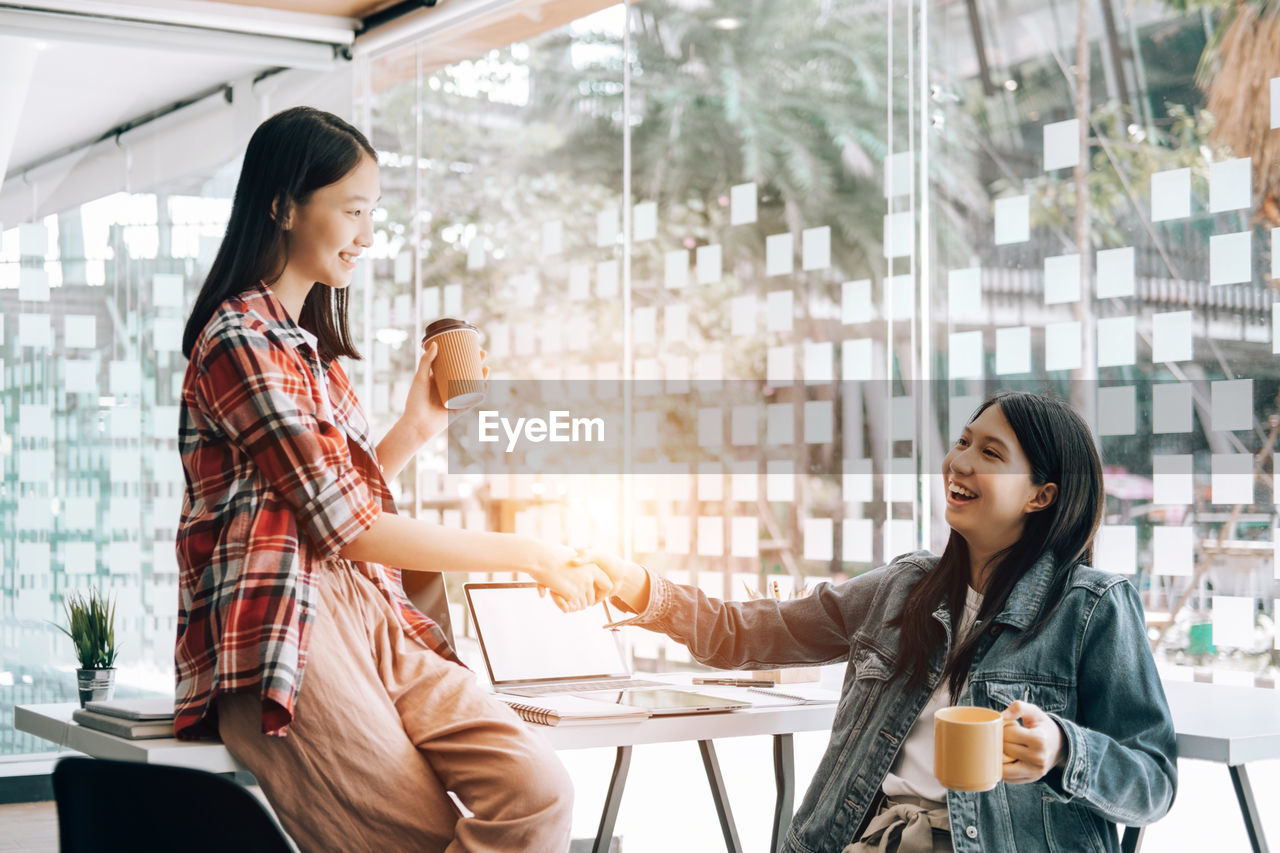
(791, 249)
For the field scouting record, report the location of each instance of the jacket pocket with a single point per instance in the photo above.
(1046, 697)
(871, 672)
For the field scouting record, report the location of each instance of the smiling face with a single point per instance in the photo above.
(329, 232)
(988, 484)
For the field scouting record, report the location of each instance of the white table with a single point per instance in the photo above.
(54, 723)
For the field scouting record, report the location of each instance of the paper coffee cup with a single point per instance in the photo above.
(968, 747)
(458, 372)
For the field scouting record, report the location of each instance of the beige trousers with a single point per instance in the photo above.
(383, 727)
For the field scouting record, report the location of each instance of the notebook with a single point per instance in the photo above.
(120, 727)
(134, 709)
(567, 710)
(532, 649)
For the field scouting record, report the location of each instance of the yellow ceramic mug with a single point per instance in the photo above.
(968, 747)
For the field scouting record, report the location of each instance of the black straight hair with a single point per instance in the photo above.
(1060, 449)
(289, 157)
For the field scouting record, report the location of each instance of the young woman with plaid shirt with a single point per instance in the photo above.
(290, 549)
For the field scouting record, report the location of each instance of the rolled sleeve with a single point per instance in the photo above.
(654, 612)
(264, 398)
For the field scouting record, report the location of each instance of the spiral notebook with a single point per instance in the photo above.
(564, 710)
(796, 694)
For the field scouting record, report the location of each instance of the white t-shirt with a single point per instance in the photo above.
(912, 771)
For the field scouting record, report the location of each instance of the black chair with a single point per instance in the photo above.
(108, 806)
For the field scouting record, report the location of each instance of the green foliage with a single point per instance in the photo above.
(92, 629)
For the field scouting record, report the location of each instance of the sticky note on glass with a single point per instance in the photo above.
(742, 204)
(710, 481)
(476, 254)
(778, 253)
(675, 323)
(1063, 346)
(1116, 337)
(126, 422)
(1172, 551)
(676, 370)
(1116, 549)
(819, 539)
(1232, 478)
(819, 359)
(742, 315)
(1230, 185)
(899, 234)
(1013, 350)
(35, 466)
(33, 558)
(855, 301)
(964, 291)
(745, 531)
(1230, 258)
(1115, 273)
(778, 311)
(899, 536)
(1232, 404)
(819, 422)
(1117, 410)
(858, 537)
(126, 467)
(34, 331)
(1233, 621)
(644, 323)
(526, 339)
(710, 428)
(644, 225)
(607, 279)
(708, 370)
(676, 269)
(1172, 479)
(857, 480)
(33, 240)
(1013, 220)
(815, 245)
(33, 284)
(402, 270)
(166, 334)
(780, 480)
(710, 264)
(855, 360)
(1171, 407)
(552, 237)
(1171, 336)
(964, 355)
(1061, 144)
(35, 421)
(607, 226)
(744, 429)
(780, 365)
(431, 302)
(579, 282)
(897, 174)
(80, 331)
(1170, 195)
(900, 482)
(453, 296)
(166, 288)
(645, 534)
(902, 418)
(80, 376)
(780, 424)
(678, 535)
(902, 291)
(1061, 279)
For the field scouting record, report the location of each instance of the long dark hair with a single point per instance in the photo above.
(290, 156)
(1060, 449)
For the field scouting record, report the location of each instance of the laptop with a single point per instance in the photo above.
(531, 648)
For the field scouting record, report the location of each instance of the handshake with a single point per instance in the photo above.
(578, 579)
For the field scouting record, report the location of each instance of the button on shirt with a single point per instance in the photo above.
(280, 476)
(912, 771)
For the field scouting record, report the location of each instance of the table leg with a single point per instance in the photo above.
(1248, 808)
(720, 796)
(784, 776)
(612, 800)
(1132, 841)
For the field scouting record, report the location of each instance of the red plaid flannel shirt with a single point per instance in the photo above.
(280, 476)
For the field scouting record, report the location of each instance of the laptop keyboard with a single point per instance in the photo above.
(582, 686)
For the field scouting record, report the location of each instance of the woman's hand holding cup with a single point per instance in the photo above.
(1031, 748)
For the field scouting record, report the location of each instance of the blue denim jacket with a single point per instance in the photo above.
(1090, 669)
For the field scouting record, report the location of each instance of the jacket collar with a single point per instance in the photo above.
(1026, 599)
(262, 302)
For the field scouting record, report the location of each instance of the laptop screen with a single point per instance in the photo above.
(527, 638)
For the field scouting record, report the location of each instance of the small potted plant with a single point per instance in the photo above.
(92, 630)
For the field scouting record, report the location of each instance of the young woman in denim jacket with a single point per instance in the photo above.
(1044, 638)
